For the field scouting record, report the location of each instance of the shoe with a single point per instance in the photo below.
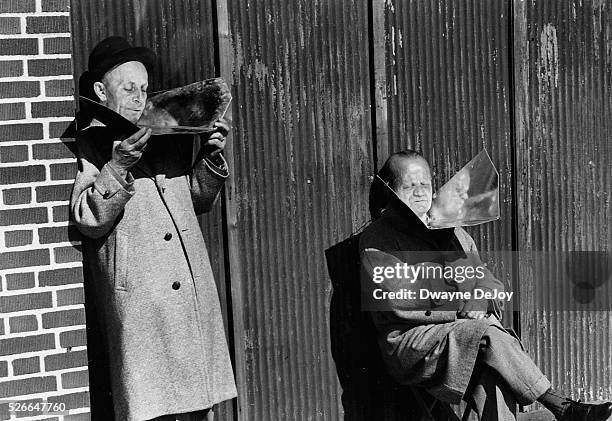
(578, 411)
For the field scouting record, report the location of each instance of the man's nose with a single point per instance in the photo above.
(419, 191)
(139, 97)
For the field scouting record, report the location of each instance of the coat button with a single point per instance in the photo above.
(168, 236)
(428, 313)
(106, 194)
(176, 285)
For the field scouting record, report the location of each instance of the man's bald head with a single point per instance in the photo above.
(409, 175)
(395, 166)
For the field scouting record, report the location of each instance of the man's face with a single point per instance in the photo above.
(125, 90)
(415, 186)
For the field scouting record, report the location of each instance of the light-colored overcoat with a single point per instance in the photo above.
(422, 341)
(152, 276)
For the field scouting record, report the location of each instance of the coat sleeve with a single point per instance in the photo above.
(99, 194)
(413, 311)
(488, 282)
(206, 179)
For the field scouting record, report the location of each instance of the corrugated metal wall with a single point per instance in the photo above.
(301, 155)
(446, 89)
(442, 77)
(564, 109)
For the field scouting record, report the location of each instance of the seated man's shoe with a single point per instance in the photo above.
(578, 411)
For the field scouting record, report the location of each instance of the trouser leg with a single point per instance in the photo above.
(490, 397)
(504, 353)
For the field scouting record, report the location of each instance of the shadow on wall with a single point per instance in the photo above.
(368, 392)
(101, 403)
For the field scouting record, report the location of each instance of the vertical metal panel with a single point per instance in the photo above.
(564, 121)
(182, 35)
(301, 156)
(447, 80)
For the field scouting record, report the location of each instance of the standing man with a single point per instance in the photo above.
(135, 199)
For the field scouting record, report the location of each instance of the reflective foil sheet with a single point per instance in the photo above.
(188, 109)
(192, 108)
(470, 197)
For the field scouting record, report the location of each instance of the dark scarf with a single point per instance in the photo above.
(399, 230)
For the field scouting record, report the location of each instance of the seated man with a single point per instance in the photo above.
(448, 347)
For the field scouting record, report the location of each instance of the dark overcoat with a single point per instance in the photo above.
(152, 277)
(423, 342)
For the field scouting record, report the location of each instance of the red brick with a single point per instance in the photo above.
(73, 400)
(55, 5)
(73, 338)
(69, 359)
(12, 111)
(59, 87)
(68, 297)
(26, 89)
(23, 174)
(65, 171)
(18, 238)
(55, 150)
(15, 153)
(27, 386)
(10, 68)
(61, 213)
(14, 132)
(26, 366)
(10, 25)
(53, 193)
(18, 46)
(47, 24)
(63, 276)
(20, 281)
(11, 303)
(68, 254)
(57, 128)
(22, 216)
(61, 234)
(50, 67)
(63, 318)
(3, 369)
(22, 344)
(18, 196)
(19, 324)
(20, 259)
(53, 109)
(17, 6)
(60, 45)
(74, 379)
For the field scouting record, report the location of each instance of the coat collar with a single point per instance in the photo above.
(402, 219)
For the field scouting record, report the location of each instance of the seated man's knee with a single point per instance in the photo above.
(494, 334)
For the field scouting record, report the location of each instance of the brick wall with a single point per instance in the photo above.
(42, 333)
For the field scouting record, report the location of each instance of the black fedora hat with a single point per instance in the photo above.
(113, 51)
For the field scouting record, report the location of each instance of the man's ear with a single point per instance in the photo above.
(100, 91)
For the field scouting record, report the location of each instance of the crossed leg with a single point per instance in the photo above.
(504, 376)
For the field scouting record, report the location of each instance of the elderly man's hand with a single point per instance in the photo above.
(215, 143)
(128, 152)
(473, 309)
